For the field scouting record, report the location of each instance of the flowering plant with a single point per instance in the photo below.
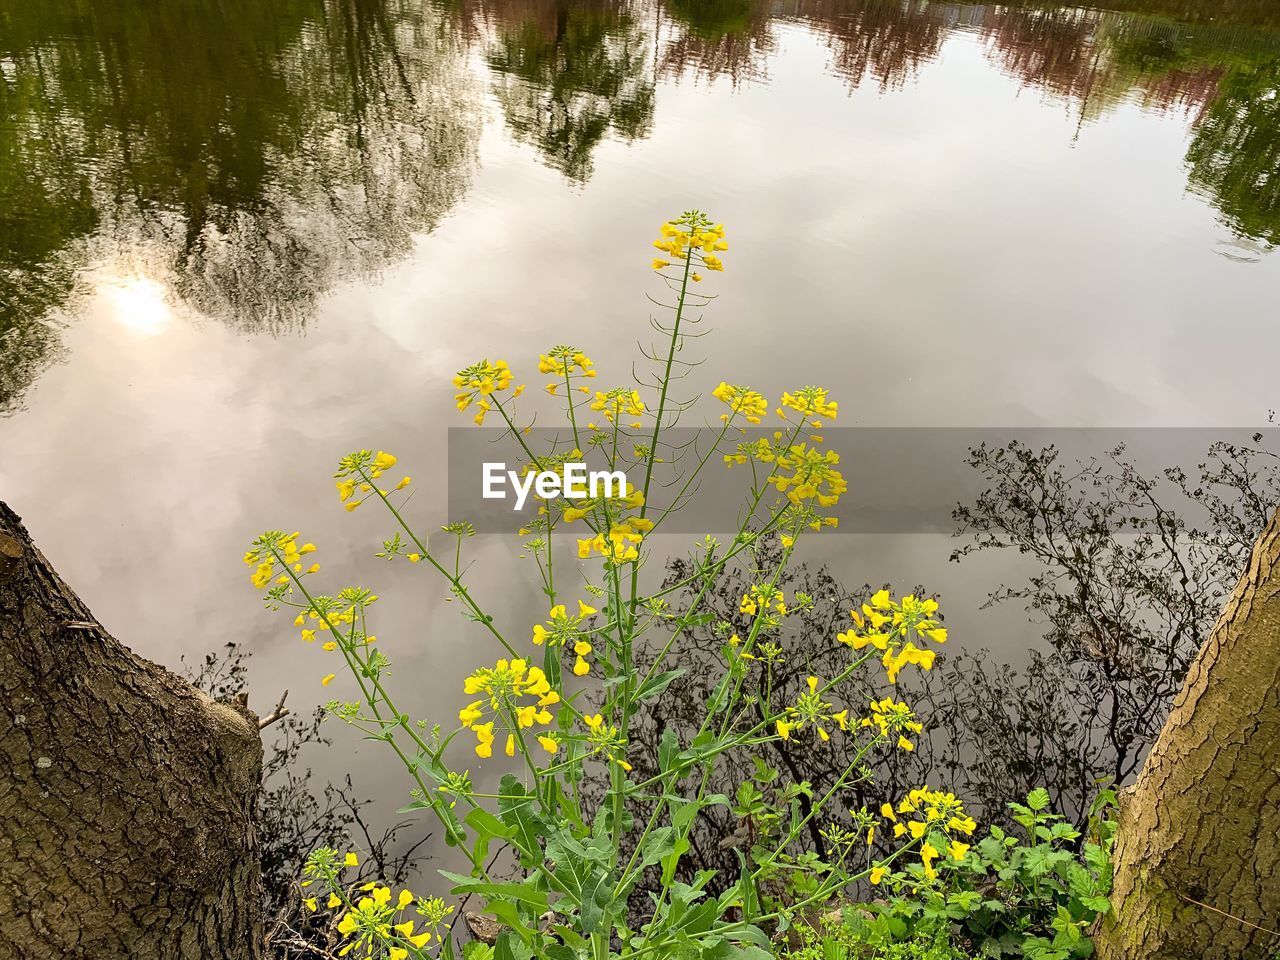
(560, 697)
(1034, 896)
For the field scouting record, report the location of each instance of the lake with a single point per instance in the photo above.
(239, 239)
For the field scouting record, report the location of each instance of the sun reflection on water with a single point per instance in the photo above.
(138, 304)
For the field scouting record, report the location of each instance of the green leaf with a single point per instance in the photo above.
(655, 685)
(509, 947)
(668, 749)
(516, 807)
(585, 872)
(482, 821)
(724, 950)
(659, 844)
(523, 891)
(1038, 799)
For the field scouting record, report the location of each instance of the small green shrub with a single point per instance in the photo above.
(837, 937)
(1033, 894)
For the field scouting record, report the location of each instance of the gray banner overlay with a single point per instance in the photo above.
(901, 480)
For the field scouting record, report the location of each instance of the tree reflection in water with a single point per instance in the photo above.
(252, 156)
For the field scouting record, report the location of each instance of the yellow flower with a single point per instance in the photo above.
(334, 901)
(405, 898)
(310, 904)
(328, 679)
(549, 744)
(893, 626)
(957, 850)
(749, 403)
(784, 729)
(262, 576)
(927, 855)
(345, 489)
(877, 874)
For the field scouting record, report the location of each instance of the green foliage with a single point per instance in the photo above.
(838, 937)
(1032, 894)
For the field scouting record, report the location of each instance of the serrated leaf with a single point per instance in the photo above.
(1038, 799)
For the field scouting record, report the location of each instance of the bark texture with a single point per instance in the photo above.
(1197, 859)
(126, 795)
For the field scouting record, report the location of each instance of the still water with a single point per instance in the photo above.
(239, 239)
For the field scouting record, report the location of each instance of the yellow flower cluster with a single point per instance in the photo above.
(356, 473)
(565, 629)
(562, 361)
(811, 710)
(810, 402)
(931, 812)
(889, 625)
(621, 544)
(373, 923)
(691, 237)
(763, 597)
(752, 405)
(480, 382)
(806, 473)
(892, 718)
(606, 740)
(276, 547)
(632, 499)
(617, 403)
(346, 608)
(505, 684)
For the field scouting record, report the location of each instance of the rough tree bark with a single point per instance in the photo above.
(126, 795)
(1197, 858)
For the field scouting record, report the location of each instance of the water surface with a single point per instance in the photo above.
(239, 239)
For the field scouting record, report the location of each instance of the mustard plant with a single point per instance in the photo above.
(559, 696)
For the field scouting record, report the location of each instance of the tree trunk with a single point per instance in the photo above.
(1197, 857)
(126, 795)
